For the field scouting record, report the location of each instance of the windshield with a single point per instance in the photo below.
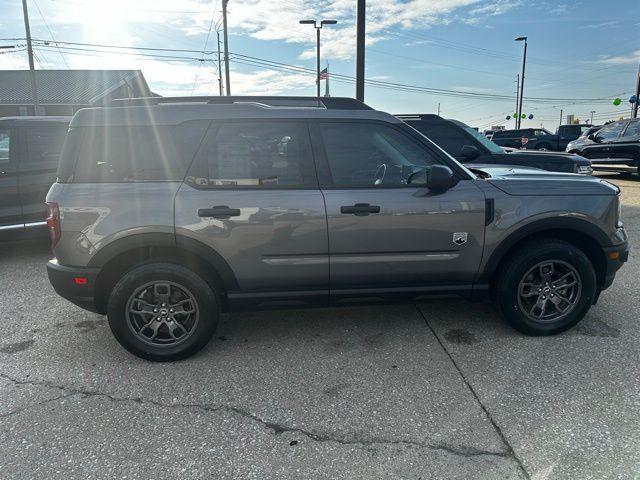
(488, 144)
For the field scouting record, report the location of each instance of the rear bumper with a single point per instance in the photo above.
(615, 258)
(75, 284)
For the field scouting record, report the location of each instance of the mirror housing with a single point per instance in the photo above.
(593, 138)
(439, 178)
(470, 152)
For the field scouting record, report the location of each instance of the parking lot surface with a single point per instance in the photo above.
(437, 390)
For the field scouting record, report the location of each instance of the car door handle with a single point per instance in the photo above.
(219, 211)
(360, 209)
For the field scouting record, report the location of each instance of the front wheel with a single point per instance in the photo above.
(162, 312)
(546, 287)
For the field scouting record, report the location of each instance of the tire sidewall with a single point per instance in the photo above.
(204, 296)
(508, 287)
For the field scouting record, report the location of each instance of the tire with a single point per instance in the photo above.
(180, 307)
(543, 146)
(518, 287)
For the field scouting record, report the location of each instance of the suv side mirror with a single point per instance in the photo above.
(592, 137)
(439, 178)
(470, 152)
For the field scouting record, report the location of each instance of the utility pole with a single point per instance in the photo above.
(226, 45)
(592, 112)
(360, 37)
(438, 108)
(32, 72)
(560, 116)
(634, 114)
(219, 63)
(524, 62)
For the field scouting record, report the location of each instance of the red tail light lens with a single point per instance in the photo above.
(53, 223)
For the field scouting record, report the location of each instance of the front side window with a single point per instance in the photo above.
(45, 143)
(610, 132)
(152, 153)
(369, 154)
(5, 143)
(258, 154)
(633, 131)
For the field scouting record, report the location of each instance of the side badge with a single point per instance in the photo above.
(460, 238)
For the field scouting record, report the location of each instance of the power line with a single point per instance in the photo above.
(50, 32)
(204, 49)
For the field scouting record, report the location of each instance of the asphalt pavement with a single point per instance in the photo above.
(437, 390)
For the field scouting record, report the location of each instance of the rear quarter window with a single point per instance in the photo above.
(150, 153)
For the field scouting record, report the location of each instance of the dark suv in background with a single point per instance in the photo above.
(539, 138)
(167, 212)
(468, 146)
(29, 152)
(616, 143)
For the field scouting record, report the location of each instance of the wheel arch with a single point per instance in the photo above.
(122, 255)
(580, 233)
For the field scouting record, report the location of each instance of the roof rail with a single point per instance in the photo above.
(417, 115)
(330, 103)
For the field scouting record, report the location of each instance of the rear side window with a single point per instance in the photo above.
(448, 138)
(150, 153)
(5, 144)
(44, 144)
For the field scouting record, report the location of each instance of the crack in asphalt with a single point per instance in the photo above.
(510, 451)
(276, 428)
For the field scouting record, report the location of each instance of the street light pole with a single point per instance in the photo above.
(318, 27)
(32, 72)
(592, 112)
(524, 62)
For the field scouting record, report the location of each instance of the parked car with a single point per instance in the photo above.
(582, 139)
(468, 146)
(539, 138)
(615, 143)
(166, 213)
(29, 151)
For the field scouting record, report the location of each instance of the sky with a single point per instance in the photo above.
(460, 54)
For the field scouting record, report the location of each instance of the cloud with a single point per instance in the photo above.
(278, 21)
(599, 25)
(497, 7)
(632, 58)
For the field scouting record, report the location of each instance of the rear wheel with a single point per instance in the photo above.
(546, 287)
(162, 312)
(543, 146)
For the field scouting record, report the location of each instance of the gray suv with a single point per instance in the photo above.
(167, 212)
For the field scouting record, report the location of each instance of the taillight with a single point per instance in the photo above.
(53, 223)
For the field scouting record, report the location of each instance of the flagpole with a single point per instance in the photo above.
(326, 84)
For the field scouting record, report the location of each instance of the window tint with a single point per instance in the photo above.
(538, 133)
(5, 140)
(448, 138)
(45, 143)
(504, 134)
(633, 131)
(137, 153)
(368, 154)
(610, 132)
(250, 154)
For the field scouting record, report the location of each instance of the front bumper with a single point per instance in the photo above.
(615, 257)
(76, 284)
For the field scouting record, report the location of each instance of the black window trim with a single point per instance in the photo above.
(324, 172)
(308, 168)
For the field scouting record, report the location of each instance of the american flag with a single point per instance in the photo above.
(324, 74)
